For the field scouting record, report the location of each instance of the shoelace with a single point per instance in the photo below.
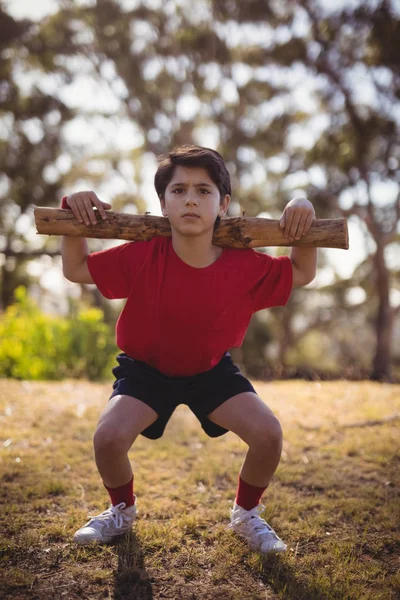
(114, 512)
(261, 527)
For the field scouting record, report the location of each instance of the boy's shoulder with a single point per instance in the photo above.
(135, 252)
(143, 246)
(247, 255)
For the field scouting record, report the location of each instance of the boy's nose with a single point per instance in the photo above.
(191, 199)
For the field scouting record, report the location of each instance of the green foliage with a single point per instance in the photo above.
(34, 345)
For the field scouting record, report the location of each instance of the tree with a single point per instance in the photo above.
(360, 147)
(31, 141)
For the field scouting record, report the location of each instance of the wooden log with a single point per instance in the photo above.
(232, 232)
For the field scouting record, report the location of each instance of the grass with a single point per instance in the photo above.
(334, 500)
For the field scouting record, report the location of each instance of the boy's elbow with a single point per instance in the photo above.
(302, 278)
(309, 278)
(69, 275)
(77, 273)
(71, 272)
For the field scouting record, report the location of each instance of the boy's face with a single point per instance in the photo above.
(192, 201)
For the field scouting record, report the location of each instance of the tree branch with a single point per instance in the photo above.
(233, 232)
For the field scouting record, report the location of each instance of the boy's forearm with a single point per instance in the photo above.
(304, 262)
(74, 251)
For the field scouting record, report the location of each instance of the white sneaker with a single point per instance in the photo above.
(249, 525)
(114, 521)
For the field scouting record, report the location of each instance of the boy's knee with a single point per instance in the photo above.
(268, 434)
(106, 439)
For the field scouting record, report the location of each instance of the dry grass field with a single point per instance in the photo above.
(334, 500)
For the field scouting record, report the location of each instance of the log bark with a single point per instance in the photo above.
(232, 232)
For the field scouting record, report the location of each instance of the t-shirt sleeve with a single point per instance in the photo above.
(112, 270)
(274, 281)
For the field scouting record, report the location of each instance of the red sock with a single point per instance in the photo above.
(248, 496)
(123, 493)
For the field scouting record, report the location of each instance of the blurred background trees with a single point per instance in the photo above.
(299, 97)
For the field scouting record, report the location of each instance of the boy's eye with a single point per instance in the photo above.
(181, 190)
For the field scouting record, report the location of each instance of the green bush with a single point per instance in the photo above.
(34, 345)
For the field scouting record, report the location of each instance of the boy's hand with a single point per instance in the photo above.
(296, 218)
(82, 204)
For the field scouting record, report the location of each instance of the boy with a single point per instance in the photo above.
(188, 301)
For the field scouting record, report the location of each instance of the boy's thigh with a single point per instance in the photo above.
(246, 415)
(214, 389)
(126, 417)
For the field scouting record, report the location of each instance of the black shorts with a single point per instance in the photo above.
(202, 393)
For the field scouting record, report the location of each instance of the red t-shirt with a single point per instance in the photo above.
(182, 319)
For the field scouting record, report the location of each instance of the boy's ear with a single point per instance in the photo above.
(223, 208)
(163, 207)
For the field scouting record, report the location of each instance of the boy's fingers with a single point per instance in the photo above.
(306, 224)
(88, 204)
(288, 223)
(75, 210)
(82, 205)
(293, 226)
(301, 228)
(309, 221)
(295, 222)
(81, 211)
(101, 206)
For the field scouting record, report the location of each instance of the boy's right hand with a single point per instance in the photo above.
(82, 204)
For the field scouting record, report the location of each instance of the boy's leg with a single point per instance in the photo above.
(123, 419)
(246, 415)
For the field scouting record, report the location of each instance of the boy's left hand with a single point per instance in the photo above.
(296, 218)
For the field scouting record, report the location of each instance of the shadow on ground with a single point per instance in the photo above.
(131, 579)
(282, 579)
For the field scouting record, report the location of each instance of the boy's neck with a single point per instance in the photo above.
(196, 251)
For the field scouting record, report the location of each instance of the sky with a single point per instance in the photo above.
(37, 9)
(124, 136)
(31, 9)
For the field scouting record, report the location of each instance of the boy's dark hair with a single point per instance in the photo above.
(193, 156)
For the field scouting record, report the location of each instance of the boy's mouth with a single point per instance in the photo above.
(191, 215)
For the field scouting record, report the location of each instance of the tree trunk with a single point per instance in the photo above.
(12, 273)
(7, 287)
(8, 278)
(382, 368)
(286, 336)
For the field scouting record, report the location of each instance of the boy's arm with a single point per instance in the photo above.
(74, 251)
(296, 221)
(304, 261)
